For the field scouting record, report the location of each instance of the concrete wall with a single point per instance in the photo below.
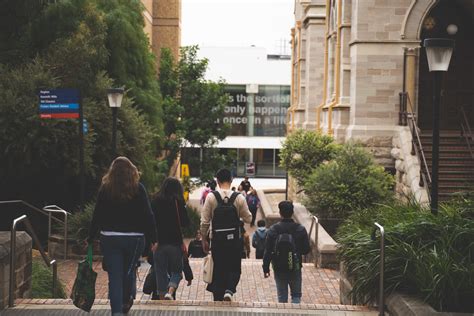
(23, 266)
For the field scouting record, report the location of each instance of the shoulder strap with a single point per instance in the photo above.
(179, 219)
(233, 197)
(218, 197)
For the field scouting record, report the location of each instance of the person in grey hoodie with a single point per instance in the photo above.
(258, 239)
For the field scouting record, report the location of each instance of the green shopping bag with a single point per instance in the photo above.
(83, 290)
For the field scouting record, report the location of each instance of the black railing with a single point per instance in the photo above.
(48, 211)
(466, 131)
(46, 259)
(407, 117)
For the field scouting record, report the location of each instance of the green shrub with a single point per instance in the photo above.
(350, 182)
(428, 256)
(42, 281)
(303, 151)
(194, 222)
(79, 222)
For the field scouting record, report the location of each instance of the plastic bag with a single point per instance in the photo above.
(83, 290)
(207, 269)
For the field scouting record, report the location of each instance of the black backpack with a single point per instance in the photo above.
(285, 257)
(225, 221)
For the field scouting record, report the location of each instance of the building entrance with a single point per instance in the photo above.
(449, 19)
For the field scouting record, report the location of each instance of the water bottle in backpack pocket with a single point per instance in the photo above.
(285, 257)
(225, 221)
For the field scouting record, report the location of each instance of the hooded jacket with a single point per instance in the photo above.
(258, 241)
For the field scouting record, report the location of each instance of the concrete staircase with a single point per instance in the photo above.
(456, 166)
(186, 308)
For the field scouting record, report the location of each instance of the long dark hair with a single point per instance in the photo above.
(121, 180)
(171, 189)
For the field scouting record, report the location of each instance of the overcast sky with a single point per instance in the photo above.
(263, 23)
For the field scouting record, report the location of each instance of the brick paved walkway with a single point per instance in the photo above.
(320, 286)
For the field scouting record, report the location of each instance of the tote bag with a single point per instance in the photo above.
(83, 290)
(207, 269)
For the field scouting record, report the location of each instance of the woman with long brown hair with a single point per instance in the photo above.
(124, 219)
(170, 214)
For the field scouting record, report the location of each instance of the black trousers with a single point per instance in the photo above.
(227, 268)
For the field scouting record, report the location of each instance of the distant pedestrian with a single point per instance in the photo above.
(240, 189)
(124, 219)
(210, 186)
(246, 184)
(220, 219)
(195, 247)
(258, 239)
(254, 203)
(286, 242)
(170, 215)
(245, 241)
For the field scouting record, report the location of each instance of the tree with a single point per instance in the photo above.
(39, 158)
(303, 151)
(191, 105)
(347, 184)
(131, 62)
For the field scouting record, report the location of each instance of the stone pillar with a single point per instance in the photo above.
(22, 267)
(376, 73)
(340, 113)
(163, 25)
(314, 24)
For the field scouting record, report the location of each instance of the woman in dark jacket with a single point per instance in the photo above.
(123, 217)
(170, 215)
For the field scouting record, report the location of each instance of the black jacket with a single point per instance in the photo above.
(132, 215)
(166, 219)
(284, 226)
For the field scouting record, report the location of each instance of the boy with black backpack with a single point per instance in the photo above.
(220, 220)
(285, 245)
(258, 239)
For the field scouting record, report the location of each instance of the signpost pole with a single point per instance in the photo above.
(81, 156)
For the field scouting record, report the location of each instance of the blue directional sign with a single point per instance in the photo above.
(59, 103)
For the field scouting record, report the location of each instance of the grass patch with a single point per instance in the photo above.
(42, 281)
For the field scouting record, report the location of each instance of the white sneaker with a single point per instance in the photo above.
(228, 297)
(168, 297)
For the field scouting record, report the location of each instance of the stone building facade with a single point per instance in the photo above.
(163, 25)
(351, 59)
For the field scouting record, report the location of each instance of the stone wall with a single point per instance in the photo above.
(407, 167)
(23, 266)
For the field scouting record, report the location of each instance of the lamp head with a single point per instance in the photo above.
(438, 52)
(115, 96)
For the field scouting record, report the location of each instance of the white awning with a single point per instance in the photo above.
(248, 142)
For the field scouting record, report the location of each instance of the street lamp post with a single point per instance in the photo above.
(115, 96)
(438, 52)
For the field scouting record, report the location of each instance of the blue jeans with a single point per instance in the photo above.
(168, 260)
(121, 254)
(291, 279)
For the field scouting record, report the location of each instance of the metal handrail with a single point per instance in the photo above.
(382, 267)
(56, 209)
(46, 259)
(315, 225)
(417, 147)
(47, 211)
(466, 131)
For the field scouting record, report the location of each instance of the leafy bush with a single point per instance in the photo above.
(42, 281)
(194, 222)
(79, 222)
(428, 256)
(350, 182)
(303, 151)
